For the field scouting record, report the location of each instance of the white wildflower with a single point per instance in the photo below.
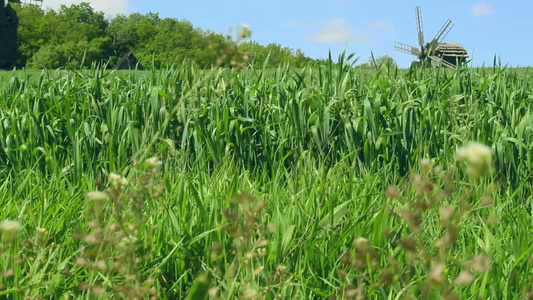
(425, 165)
(246, 32)
(478, 158)
(117, 181)
(97, 196)
(362, 244)
(154, 162)
(127, 242)
(10, 230)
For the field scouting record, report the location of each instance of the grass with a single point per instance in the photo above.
(283, 184)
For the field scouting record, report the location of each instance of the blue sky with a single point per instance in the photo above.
(485, 28)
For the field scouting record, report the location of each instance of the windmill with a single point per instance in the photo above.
(32, 2)
(436, 51)
(8, 34)
(8, 31)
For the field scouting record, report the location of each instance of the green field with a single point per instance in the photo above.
(267, 184)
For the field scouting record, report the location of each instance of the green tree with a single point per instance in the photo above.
(32, 33)
(52, 56)
(77, 33)
(383, 61)
(86, 23)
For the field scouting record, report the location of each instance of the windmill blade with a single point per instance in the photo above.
(443, 32)
(419, 26)
(439, 61)
(32, 2)
(406, 49)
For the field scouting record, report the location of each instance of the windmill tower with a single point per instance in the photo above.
(8, 31)
(436, 51)
(8, 35)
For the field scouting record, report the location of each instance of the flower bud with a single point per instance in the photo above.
(154, 162)
(97, 196)
(478, 158)
(117, 181)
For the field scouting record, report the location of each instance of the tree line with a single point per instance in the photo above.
(78, 36)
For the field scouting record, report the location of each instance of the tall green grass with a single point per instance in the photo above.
(318, 145)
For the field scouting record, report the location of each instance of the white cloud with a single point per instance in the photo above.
(388, 26)
(342, 4)
(482, 9)
(109, 7)
(338, 30)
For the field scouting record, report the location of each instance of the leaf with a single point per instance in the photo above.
(200, 288)
(338, 213)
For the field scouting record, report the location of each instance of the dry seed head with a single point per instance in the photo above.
(114, 227)
(437, 170)
(464, 278)
(127, 242)
(452, 232)
(261, 243)
(342, 273)
(95, 224)
(85, 286)
(9, 273)
(259, 206)
(427, 186)
(90, 239)
(102, 265)
(80, 261)
(451, 296)
(481, 262)
(392, 192)
(271, 228)
(415, 179)
(407, 215)
(249, 294)
(435, 273)
(387, 276)
(212, 292)
(408, 244)
(446, 213)
(351, 291)
(259, 270)
(486, 200)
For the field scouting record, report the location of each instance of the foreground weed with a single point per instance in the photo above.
(240, 265)
(24, 262)
(284, 129)
(118, 241)
(432, 189)
(10, 231)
